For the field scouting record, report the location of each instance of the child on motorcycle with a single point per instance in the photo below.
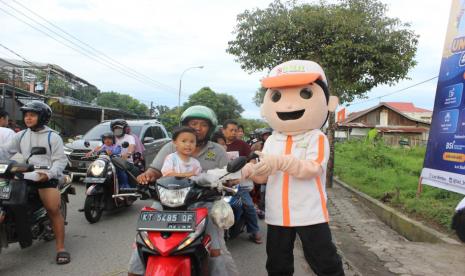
(111, 148)
(181, 163)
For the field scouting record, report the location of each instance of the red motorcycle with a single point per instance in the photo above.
(173, 241)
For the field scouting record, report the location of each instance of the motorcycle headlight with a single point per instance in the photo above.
(67, 150)
(97, 167)
(172, 198)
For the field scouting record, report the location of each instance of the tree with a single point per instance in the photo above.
(224, 105)
(356, 43)
(251, 124)
(122, 101)
(258, 98)
(169, 117)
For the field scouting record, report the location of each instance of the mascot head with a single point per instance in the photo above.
(297, 99)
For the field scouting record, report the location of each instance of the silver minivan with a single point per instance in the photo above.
(151, 132)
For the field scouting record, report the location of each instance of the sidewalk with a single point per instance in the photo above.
(373, 248)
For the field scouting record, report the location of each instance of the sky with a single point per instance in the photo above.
(160, 39)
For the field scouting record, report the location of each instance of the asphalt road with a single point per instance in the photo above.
(368, 246)
(104, 248)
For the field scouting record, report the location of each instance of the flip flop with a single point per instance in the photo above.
(63, 257)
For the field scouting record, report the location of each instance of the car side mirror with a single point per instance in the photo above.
(125, 145)
(148, 140)
(236, 164)
(86, 144)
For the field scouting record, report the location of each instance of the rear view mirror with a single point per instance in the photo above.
(236, 164)
(38, 151)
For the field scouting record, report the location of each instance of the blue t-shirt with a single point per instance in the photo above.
(115, 149)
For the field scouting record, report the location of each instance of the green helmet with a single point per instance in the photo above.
(200, 112)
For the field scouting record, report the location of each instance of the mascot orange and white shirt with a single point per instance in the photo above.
(294, 201)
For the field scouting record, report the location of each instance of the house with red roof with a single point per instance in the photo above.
(394, 121)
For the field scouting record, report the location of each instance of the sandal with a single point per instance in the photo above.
(63, 257)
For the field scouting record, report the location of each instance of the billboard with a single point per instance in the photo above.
(444, 165)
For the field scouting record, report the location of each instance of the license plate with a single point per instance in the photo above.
(167, 221)
(94, 180)
(5, 191)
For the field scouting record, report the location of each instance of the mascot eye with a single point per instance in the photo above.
(275, 95)
(306, 93)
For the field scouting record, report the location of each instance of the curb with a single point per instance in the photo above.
(412, 230)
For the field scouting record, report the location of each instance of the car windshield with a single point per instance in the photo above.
(96, 132)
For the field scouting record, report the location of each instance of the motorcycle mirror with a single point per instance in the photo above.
(125, 145)
(252, 156)
(236, 164)
(86, 144)
(38, 151)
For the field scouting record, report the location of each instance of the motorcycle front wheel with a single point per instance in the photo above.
(92, 209)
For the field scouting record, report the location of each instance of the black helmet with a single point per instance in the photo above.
(41, 109)
(118, 123)
(108, 135)
(265, 130)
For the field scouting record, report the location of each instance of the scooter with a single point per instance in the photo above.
(23, 217)
(172, 241)
(102, 187)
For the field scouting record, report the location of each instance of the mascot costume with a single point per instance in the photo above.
(293, 164)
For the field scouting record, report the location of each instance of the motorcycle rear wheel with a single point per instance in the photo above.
(92, 209)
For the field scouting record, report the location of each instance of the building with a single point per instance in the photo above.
(20, 83)
(396, 122)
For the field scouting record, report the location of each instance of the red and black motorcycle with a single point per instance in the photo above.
(173, 241)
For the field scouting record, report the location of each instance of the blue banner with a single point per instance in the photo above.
(444, 165)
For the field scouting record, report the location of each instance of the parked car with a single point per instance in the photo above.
(151, 132)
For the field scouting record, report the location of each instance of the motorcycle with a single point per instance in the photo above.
(23, 217)
(172, 241)
(102, 187)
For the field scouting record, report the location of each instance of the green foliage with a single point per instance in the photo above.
(251, 124)
(391, 175)
(259, 95)
(225, 106)
(122, 101)
(357, 44)
(169, 117)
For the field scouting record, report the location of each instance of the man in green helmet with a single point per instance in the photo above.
(211, 156)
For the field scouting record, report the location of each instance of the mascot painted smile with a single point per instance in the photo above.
(293, 164)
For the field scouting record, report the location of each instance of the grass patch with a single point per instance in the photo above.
(391, 176)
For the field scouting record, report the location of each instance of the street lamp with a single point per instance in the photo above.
(180, 82)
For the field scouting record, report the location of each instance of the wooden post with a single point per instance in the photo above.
(420, 187)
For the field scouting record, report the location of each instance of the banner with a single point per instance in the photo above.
(444, 165)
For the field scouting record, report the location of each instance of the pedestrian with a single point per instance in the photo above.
(218, 138)
(240, 132)
(6, 134)
(211, 156)
(293, 164)
(235, 149)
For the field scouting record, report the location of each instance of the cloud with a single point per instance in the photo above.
(162, 38)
